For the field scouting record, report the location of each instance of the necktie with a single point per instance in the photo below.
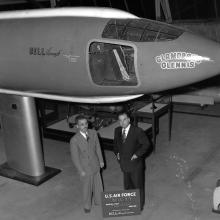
(87, 136)
(123, 135)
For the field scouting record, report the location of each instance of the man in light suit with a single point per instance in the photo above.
(130, 146)
(87, 158)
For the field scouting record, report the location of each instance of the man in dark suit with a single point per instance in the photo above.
(130, 146)
(87, 158)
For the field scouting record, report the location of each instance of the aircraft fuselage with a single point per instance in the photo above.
(92, 56)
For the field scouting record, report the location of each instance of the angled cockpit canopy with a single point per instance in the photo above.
(140, 30)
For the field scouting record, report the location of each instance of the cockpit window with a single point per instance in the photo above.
(140, 30)
(132, 34)
(112, 64)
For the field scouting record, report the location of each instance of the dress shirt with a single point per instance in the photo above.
(126, 130)
(85, 135)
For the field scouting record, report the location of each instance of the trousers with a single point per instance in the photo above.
(135, 180)
(92, 188)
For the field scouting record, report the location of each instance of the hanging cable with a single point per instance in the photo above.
(110, 3)
(53, 3)
(126, 6)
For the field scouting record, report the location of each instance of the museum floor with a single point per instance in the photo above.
(180, 178)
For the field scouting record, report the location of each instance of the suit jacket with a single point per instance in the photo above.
(136, 143)
(86, 155)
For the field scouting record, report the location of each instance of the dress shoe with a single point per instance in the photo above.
(87, 210)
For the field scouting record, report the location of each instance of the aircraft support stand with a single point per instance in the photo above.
(22, 141)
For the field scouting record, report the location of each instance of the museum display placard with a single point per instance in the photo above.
(121, 203)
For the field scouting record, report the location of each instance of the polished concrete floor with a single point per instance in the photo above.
(180, 178)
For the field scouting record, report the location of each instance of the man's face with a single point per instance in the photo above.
(124, 120)
(82, 125)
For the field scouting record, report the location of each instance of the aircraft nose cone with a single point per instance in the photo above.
(186, 60)
(204, 55)
(191, 59)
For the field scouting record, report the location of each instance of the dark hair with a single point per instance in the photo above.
(80, 117)
(124, 113)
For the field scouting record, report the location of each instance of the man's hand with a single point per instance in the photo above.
(134, 157)
(82, 173)
(102, 165)
(118, 156)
